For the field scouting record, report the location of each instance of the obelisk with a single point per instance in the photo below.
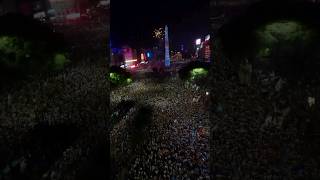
(167, 50)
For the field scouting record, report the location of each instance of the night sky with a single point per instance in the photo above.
(132, 22)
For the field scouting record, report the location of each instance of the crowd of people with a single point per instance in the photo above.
(76, 97)
(263, 130)
(53, 124)
(176, 143)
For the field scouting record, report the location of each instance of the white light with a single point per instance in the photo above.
(198, 41)
(131, 60)
(208, 37)
(207, 93)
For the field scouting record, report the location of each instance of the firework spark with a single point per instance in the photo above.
(158, 33)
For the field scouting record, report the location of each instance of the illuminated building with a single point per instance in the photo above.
(203, 50)
(177, 57)
(198, 46)
(130, 56)
(125, 57)
(146, 55)
(207, 48)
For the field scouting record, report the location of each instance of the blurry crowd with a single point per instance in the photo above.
(54, 125)
(268, 129)
(88, 39)
(76, 98)
(175, 145)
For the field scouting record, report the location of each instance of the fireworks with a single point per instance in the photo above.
(158, 33)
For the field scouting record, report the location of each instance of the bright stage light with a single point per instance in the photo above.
(198, 41)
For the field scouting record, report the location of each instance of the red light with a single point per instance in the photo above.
(133, 66)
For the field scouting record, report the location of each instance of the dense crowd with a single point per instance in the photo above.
(175, 144)
(77, 97)
(54, 125)
(267, 130)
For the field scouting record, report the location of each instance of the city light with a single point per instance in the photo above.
(207, 37)
(129, 80)
(148, 55)
(198, 41)
(131, 60)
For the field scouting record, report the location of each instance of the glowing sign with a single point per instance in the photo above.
(198, 41)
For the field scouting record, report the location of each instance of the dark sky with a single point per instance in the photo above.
(133, 21)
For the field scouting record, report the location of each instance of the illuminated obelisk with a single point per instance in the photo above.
(167, 50)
